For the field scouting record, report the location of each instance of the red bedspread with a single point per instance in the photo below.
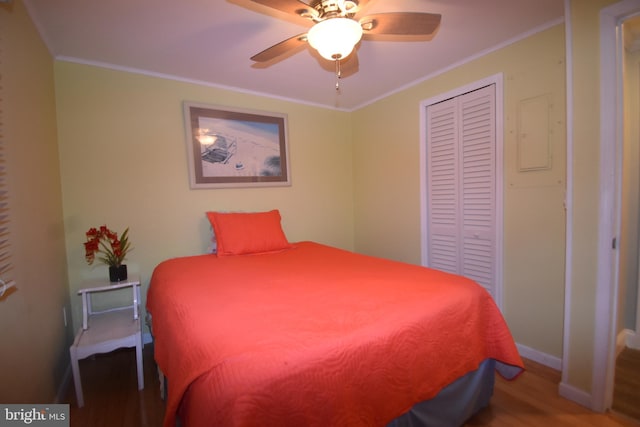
(314, 336)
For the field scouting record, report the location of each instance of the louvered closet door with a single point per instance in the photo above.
(443, 215)
(461, 186)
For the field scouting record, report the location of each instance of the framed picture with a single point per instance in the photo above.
(235, 148)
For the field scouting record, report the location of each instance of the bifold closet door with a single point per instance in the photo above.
(461, 185)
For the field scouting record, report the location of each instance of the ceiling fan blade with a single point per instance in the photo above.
(401, 23)
(280, 49)
(294, 7)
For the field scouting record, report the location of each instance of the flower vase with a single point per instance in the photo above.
(117, 273)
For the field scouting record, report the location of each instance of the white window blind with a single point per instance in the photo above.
(6, 280)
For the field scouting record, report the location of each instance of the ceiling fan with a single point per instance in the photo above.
(337, 27)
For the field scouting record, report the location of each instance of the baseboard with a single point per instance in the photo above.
(577, 395)
(627, 338)
(632, 339)
(540, 357)
(565, 390)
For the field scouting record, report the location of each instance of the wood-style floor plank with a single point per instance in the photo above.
(626, 392)
(111, 396)
(112, 399)
(533, 400)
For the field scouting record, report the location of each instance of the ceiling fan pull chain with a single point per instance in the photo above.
(338, 74)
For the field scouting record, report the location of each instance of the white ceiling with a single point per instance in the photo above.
(211, 41)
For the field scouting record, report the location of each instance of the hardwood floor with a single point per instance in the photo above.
(112, 399)
(626, 392)
(111, 396)
(533, 400)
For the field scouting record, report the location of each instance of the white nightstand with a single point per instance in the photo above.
(106, 330)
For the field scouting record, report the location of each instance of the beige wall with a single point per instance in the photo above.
(124, 164)
(34, 355)
(586, 164)
(387, 182)
(355, 185)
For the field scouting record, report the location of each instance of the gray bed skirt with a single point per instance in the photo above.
(456, 403)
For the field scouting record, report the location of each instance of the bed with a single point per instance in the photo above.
(269, 333)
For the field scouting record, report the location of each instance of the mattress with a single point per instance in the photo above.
(316, 336)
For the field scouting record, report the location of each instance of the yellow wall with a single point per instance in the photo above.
(586, 166)
(34, 355)
(122, 161)
(387, 182)
(124, 164)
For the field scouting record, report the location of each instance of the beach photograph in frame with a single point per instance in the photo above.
(230, 147)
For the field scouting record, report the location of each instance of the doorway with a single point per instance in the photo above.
(612, 122)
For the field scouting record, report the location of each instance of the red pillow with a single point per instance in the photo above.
(240, 233)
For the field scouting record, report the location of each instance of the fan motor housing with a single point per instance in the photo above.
(331, 8)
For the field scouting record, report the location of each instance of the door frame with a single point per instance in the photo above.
(611, 122)
(497, 81)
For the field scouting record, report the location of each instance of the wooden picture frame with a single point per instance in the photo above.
(229, 147)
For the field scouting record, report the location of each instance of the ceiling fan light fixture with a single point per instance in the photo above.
(335, 38)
